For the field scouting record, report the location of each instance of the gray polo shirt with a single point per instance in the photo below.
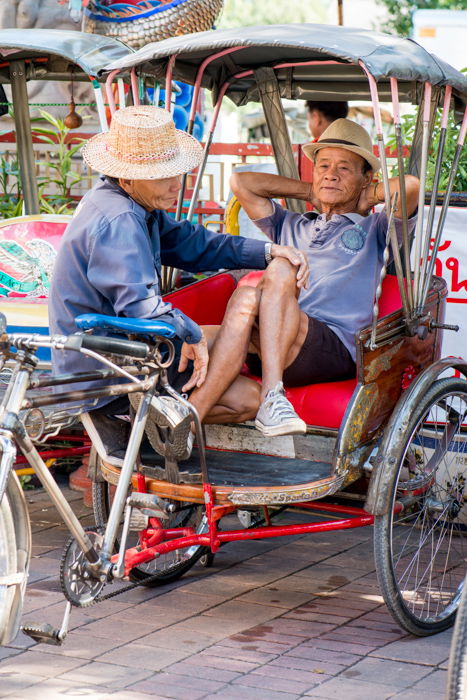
(345, 255)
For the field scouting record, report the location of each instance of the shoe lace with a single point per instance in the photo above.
(279, 407)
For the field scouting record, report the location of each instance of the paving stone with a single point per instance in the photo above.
(58, 689)
(177, 637)
(422, 650)
(190, 667)
(225, 663)
(321, 667)
(12, 683)
(268, 683)
(182, 687)
(271, 595)
(244, 653)
(37, 663)
(141, 656)
(250, 613)
(245, 693)
(338, 688)
(77, 644)
(394, 673)
(300, 675)
(311, 650)
(109, 674)
(435, 682)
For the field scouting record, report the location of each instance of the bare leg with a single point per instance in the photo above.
(282, 326)
(228, 354)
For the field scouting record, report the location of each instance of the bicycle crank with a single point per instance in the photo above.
(79, 583)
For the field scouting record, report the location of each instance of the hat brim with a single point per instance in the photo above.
(189, 156)
(310, 150)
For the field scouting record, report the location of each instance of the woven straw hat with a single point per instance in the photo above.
(344, 133)
(142, 144)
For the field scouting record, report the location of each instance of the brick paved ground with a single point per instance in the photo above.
(274, 620)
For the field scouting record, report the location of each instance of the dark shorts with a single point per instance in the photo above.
(121, 405)
(322, 358)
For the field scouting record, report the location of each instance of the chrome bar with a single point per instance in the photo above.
(390, 208)
(7, 459)
(421, 195)
(131, 456)
(382, 273)
(447, 196)
(431, 214)
(57, 497)
(403, 201)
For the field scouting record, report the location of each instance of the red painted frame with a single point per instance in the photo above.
(156, 540)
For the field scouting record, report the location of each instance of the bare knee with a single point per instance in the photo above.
(244, 302)
(280, 274)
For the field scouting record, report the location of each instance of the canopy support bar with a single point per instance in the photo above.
(447, 196)
(24, 137)
(434, 192)
(403, 201)
(275, 119)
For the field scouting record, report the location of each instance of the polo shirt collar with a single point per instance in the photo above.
(141, 210)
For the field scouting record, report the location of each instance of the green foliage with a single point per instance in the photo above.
(452, 133)
(244, 13)
(10, 197)
(400, 12)
(63, 177)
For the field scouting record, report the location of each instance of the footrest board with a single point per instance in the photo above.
(242, 479)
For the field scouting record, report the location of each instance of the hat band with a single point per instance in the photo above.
(147, 157)
(347, 143)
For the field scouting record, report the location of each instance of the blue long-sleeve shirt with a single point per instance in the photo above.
(110, 259)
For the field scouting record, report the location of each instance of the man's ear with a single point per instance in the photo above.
(125, 184)
(368, 177)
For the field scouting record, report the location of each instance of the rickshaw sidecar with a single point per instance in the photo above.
(244, 471)
(344, 418)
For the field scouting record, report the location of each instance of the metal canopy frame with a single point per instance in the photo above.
(49, 54)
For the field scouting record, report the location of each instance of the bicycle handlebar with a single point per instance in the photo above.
(111, 346)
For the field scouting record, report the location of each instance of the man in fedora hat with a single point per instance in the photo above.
(111, 254)
(299, 339)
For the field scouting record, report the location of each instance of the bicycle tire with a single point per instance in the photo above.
(457, 671)
(419, 552)
(168, 567)
(15, 552)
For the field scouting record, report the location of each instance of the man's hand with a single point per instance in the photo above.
(198, 352)
(367, 199)
(295, 257)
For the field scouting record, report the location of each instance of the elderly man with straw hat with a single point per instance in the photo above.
(298, 341)
(111, 254)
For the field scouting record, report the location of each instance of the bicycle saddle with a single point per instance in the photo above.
(141, 326)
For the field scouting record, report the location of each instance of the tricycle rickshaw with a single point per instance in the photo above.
(156, 518)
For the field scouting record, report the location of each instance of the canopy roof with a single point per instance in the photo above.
(54, 53)
(384, 55)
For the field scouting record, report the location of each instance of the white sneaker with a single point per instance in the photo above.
(276, 415)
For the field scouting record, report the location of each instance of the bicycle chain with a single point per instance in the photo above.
(130, 587)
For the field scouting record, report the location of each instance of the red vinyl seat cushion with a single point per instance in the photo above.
(321, 405)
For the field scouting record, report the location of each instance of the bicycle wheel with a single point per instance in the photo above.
(15, 549)
(420, 542)
(167, 567)
(457, 672)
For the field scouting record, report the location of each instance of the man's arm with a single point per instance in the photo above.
(255, 190)
(374, 194)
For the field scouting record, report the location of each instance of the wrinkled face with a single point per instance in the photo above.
(153, 194)
(338, 179)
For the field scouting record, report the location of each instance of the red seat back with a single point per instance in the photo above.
(204, 301)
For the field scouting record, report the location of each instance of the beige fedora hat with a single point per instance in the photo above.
(142, 144)
(344, 133)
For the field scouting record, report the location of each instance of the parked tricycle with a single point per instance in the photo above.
(387, 447)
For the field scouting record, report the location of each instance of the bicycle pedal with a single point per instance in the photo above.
(138, 520)
(43, 633)
(149, 504)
